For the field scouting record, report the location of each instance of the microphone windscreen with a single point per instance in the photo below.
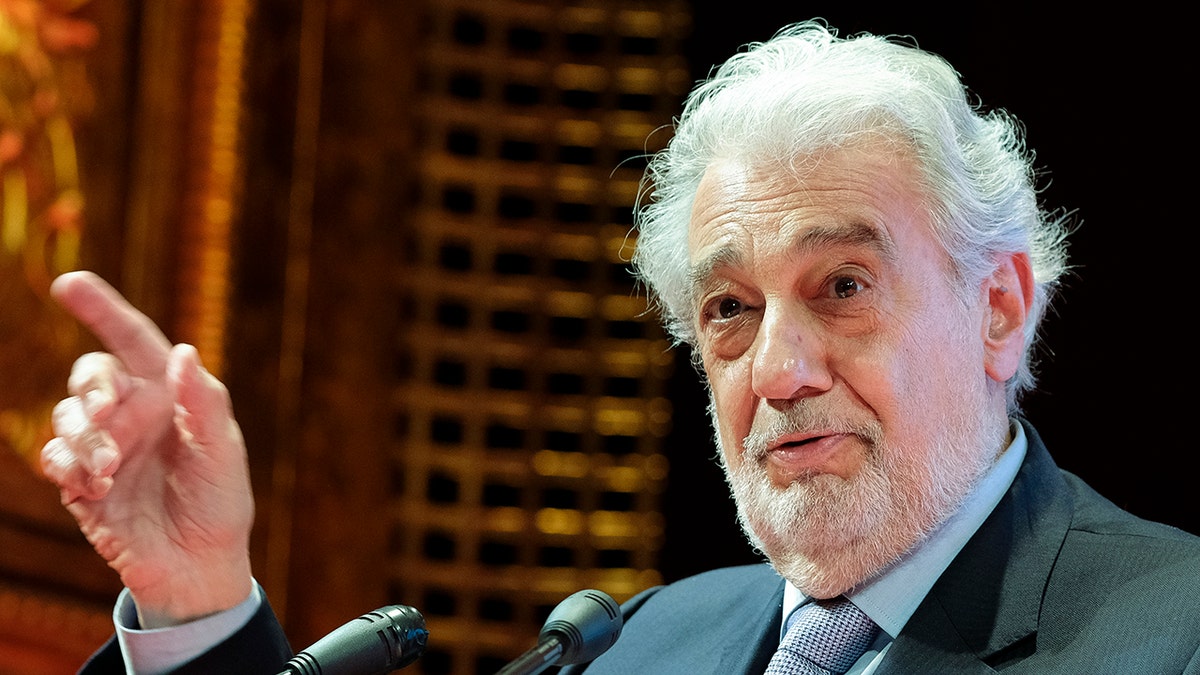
(375, 643)
(587, 623)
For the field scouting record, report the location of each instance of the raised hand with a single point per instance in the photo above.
(150, 461)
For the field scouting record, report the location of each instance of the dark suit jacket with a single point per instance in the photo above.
(1057, 580)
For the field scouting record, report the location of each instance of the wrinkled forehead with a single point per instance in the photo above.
(865, 196)
(876, 182)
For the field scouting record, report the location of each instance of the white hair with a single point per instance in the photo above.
(806, 90)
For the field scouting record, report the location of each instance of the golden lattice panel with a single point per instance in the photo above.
(529, 405)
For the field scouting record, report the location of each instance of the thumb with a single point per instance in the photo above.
(202, 402)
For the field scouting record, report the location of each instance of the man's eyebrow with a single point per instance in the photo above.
(811, 240)
(700, 274)
(854, 234)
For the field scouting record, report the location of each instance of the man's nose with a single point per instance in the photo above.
(790, 359)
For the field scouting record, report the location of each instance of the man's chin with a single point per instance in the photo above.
(822, 533)
(828, 566)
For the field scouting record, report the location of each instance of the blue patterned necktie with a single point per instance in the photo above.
(826, 637)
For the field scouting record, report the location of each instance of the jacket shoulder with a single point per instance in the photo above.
(714, 622)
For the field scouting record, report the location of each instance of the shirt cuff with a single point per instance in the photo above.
(161, 650)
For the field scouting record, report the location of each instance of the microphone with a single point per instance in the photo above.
(375, 643)
(579, 629)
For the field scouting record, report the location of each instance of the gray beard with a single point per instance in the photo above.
(827, 534)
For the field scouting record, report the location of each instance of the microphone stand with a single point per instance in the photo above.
(534, 661)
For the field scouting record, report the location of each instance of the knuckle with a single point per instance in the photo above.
(91, 371)
(57, 460)
(66, 415)
(63, 407)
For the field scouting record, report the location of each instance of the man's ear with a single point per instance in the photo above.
(1009, 295)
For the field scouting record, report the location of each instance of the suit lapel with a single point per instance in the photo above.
(984, 610)
(930, 643)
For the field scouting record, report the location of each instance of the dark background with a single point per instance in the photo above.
(1106, 105)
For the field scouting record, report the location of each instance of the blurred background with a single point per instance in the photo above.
(399, 232)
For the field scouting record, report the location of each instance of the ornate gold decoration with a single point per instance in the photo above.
(43, 89)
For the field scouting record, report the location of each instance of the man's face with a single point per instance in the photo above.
(847, 375)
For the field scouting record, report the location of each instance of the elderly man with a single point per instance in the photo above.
(858, 259)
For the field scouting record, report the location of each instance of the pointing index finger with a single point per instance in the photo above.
(124, 331)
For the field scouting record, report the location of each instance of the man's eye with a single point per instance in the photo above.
(729, 308)
(846, 287)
